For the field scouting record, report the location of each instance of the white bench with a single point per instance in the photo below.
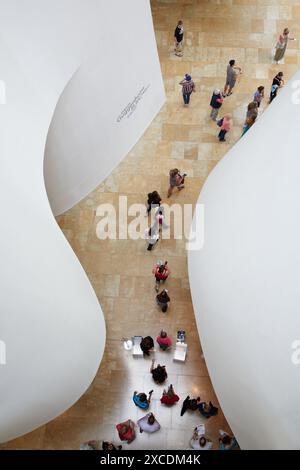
(180, 352)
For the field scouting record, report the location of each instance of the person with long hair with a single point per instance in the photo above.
(282, 44)
(169, 397)
(159, 373)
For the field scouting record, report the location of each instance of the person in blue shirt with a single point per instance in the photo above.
(141, 400)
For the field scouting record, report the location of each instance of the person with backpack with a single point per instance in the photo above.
(216, 103)
(225, 125)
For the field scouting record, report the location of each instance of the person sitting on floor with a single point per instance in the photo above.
(126, 431)
(207, 409)
(226, 442)
(190, 404)
(159, 373)
(141, 400)
(91, 445)
(148, 424)
(147, 345)
(164, 341)
(169, 396)
(109, 446)
(199, 441)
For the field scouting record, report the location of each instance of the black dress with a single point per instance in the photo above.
(178, 34)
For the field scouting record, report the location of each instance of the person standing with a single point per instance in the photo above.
(232, 72)
(215, 103)
(161, 273)
(176, 181)
(252, 110)
(278, 82)
(282, 45)
(188, 87)
(225, 124)
(162, 300)
(259, 95)
(178, 36)
(249, 123)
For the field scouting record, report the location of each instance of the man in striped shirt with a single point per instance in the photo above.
(188, 86)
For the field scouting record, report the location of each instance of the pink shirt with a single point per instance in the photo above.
(226, 125)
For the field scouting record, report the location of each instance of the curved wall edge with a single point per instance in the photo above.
(106, 106)
(245, 280)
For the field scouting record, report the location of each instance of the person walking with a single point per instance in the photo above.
(178, 36)
(259, 95)
(152, 236)
(188, 87)
(231, 75)
(176, 181)
(161, 273)
(162, 300)
(282, 45)
(153, 201)
(225, 125)
(215, 103)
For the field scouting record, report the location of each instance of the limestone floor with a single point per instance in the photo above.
(120, 271)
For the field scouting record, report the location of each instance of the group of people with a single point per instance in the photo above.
(232, 73)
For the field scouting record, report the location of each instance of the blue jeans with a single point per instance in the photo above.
(186, 98)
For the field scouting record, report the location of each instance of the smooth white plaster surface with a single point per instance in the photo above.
(50, 318)
(245, 281)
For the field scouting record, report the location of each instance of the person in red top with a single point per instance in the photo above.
(169, 397)
(126, 431)
(163, 340)
(161, 273)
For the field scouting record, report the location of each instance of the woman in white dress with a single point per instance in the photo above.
(282, 44)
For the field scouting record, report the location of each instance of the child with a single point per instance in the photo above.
(225, 125)
(215, 103)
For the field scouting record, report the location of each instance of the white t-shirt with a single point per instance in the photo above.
(146, 427)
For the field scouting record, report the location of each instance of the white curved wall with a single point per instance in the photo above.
(86, 140)
(50, 321)
(245, 281)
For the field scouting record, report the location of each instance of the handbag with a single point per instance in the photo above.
(220, 122)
